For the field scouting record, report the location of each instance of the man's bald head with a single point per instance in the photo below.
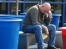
(45, 8)
(47, 5)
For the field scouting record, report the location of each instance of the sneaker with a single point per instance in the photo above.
(52, 47)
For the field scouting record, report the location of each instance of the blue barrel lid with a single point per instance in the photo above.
(56, 14)
(11, 15)
(23, 13)
(10, 19)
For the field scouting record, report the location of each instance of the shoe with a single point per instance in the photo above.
(52, 47)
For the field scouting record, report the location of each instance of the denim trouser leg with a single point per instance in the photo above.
(52, 33)
(37, 30)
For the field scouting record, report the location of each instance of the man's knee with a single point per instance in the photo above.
(53, 26)
(38, 27)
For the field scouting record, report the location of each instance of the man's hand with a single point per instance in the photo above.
(45, 28)
(50, 14)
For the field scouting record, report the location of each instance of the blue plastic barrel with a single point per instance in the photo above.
(21, 17)
(55, 20)
(9, 33)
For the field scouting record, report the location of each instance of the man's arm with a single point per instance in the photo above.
(48, 18)
(45, 29)
(50, 14)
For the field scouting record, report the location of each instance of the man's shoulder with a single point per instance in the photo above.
(35, 7)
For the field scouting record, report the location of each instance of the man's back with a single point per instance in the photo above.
(31, 17)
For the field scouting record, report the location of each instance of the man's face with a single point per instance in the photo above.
(45, 10)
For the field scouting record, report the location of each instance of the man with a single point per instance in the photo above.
(33, 24)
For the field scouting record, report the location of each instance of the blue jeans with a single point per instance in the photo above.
(37, 30)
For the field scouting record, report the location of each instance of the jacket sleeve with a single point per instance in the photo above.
(47, 20)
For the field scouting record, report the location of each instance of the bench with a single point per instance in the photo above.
(27, 39)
